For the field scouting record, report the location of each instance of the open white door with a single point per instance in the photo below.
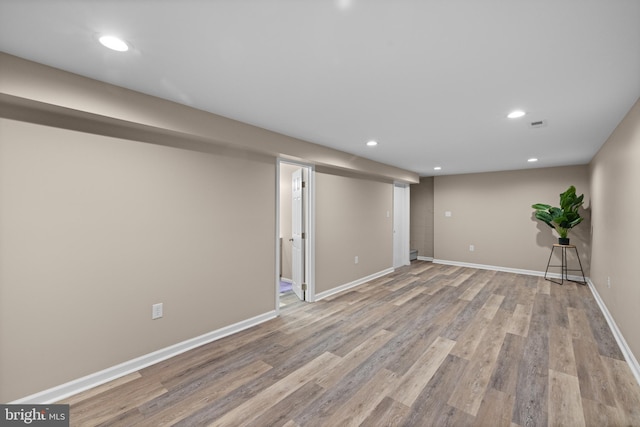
(297, 233)
(401, 211)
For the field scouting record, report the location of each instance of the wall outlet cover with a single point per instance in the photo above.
(156, 311)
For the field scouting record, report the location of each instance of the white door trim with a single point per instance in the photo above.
(298, 216)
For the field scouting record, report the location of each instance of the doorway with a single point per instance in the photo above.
(401, 230)
(294, 228)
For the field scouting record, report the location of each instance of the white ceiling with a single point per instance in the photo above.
(431, 81)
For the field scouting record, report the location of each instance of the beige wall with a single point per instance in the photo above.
(421, 233)
(492, 211)
(351, 220)
(95, 230)
(615, 175)
(122, 200)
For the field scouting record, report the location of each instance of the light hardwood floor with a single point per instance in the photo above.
(428, 345)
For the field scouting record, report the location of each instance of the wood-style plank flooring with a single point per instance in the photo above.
(428, 345)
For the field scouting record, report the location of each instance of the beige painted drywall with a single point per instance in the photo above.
(615, 175)
(351, 220)
(112, 200)
(286, 170)
(95, 230)
(34, 92)
(492, 211)
(421, 226)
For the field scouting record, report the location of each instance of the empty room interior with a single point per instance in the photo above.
(382, 159)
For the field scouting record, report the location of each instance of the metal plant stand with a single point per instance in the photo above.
(564, 276)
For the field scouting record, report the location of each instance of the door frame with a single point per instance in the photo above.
(309, 230)
(298, 247)
(401, 220)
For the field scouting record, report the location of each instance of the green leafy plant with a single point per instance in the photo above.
(565, 217)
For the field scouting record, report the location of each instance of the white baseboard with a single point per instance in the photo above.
(622, 343)
(505, 269)
(66, 390)
(425, 258)
(350, 285)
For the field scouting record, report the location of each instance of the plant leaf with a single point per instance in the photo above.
(541, 206)
(575, 222)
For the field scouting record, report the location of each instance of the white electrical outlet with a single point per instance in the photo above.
(608, 282)
(447, 214)
(472, 248)
(355, 261)
(156, 311)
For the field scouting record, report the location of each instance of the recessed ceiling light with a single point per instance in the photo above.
(532, 160)
(114, 43)
(437, 168)
(343, 4)
(515, 114)
(372, 143)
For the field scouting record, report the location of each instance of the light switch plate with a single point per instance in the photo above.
(156, 311)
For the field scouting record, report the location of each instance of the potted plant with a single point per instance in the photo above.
(563, 218)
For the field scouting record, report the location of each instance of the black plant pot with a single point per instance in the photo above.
(563, 240)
